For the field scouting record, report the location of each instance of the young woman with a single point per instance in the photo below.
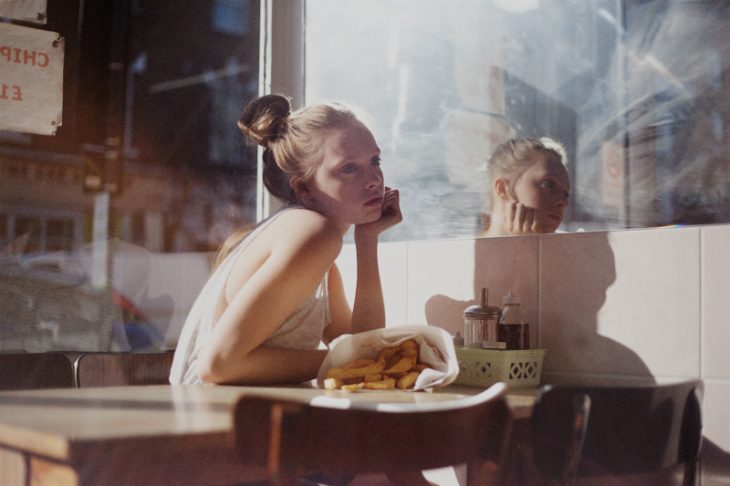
(277, 293)
(529, 187)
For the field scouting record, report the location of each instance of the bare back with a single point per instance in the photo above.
(259, 250)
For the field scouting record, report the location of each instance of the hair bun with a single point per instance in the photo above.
(264, 118)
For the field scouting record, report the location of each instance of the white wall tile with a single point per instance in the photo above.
(715, 302)
(440, 282)
(392, 260)
(445, 277)
(510, 264)
(624, 302)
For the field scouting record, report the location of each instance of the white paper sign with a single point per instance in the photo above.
(31, 79)
(26, 10)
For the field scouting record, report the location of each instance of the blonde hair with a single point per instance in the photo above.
(513, 157)
(292, 145)
(291, 141)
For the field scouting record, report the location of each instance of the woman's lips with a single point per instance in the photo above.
(374, 201)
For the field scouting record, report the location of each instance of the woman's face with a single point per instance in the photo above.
(545, 187)
(347, 186)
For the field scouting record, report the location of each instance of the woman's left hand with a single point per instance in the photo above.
(391, 215)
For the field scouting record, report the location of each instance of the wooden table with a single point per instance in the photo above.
(157, 434)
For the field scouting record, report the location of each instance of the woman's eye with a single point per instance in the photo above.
(376, 161)
(547, 184)
(349, 168)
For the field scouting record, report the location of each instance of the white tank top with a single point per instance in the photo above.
(301, 330)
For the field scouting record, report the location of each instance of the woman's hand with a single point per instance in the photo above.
(390, 216)
(521, 220)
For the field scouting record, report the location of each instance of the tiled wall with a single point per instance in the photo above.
(626, 305)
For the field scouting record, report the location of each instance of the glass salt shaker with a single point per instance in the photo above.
(480, 322)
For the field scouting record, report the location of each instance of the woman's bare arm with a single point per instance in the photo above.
(368, 312)
(296, 265)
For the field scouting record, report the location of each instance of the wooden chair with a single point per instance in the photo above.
(23, 371)
(121, 369)
(292, 439)
(593, 431)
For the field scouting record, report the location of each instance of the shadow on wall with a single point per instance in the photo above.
(573, 283)
(569, 281)
(561, 288)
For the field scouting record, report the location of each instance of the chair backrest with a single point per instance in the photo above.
(629, 430)
(291, 438)
(23, 371)
(122, 369)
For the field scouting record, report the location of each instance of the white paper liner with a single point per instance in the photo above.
(436, 349)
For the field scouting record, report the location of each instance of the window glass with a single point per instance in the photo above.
(633, 89)
(59, 234)
(108, 226)
(30, 228)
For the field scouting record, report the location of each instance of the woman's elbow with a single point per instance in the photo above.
(212, 369)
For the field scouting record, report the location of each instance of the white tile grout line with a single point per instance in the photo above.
(702, 259)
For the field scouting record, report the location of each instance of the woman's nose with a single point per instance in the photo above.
(375, 178)
(562, 200)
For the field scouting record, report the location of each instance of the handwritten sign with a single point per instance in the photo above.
(31, 79)
(26, 10)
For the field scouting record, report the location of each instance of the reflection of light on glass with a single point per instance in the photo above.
(403, 75)
(517, 6)
(393, 44)
(611, 19)
(650, 61)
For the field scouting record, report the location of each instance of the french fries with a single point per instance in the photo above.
(394, 367)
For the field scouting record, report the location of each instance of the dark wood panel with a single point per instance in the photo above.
(121, 369)
(23, 371)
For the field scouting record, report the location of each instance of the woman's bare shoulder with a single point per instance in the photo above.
(300, 226)
(301, 213)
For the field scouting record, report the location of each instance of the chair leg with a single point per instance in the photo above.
(690, 473)
(581, 411)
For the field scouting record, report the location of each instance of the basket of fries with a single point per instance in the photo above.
(397, 358)
(484, 367)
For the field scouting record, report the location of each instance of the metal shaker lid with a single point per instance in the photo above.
(483, 311)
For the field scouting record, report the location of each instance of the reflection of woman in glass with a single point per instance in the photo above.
(529, 187)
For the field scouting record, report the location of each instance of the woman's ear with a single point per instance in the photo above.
(301, 189)
(500, 187)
